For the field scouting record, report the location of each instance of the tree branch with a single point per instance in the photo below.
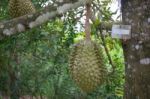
(23, 23)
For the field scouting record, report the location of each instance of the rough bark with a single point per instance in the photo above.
(137, 49)
(21, 24)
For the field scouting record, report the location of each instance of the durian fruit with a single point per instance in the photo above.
(86, 65)
(20, 7)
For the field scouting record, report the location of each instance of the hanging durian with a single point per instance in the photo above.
(86, 63)
(20, 7)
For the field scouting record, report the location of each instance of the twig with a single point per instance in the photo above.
(106, 49)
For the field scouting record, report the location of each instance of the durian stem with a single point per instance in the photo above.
(87, 23)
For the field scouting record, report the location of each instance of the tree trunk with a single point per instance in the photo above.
(137, 50)
(14, 90)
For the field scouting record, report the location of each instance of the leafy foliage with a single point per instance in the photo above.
(36, 62)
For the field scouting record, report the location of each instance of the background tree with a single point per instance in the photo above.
(136, 50)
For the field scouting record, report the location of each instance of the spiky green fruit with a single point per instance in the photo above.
(20, 7)
(87, 66)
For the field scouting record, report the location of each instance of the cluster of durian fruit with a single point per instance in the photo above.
(87, 65)
(19, 8)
